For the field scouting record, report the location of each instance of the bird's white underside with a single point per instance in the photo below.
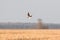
(29, 17)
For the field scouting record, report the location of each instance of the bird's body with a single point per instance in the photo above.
(29, 15)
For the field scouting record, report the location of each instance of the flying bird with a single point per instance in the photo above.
(29, 15)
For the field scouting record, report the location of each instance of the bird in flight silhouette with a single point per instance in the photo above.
(29, 15)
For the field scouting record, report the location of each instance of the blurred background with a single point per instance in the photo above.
(45, 13)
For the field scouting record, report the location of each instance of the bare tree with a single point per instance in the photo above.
(39, 24)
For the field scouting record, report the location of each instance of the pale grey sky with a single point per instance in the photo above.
(16, 10)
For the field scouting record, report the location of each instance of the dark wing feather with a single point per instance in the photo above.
(28, 14)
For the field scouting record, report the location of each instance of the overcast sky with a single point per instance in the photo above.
(16, 10)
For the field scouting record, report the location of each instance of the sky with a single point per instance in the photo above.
(16, 10)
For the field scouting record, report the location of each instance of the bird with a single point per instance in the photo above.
(29, 15)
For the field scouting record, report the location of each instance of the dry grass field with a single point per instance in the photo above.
(29, 34)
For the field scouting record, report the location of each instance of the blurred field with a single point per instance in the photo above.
(29, 34)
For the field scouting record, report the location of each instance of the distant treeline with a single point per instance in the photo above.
(28, 26)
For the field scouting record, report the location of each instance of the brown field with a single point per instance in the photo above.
(29, 34)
